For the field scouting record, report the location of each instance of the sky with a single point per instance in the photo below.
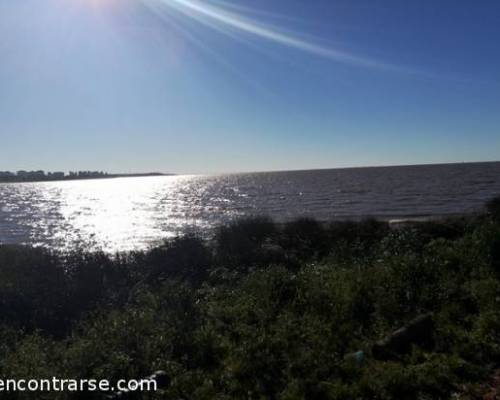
(189, 86)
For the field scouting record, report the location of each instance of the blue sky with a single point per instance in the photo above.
(218, 86)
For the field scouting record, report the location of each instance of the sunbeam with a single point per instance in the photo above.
(225, 21)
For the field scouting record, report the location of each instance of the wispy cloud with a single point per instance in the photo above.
(223, 20)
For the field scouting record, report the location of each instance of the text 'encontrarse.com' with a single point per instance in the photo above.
(76, 385)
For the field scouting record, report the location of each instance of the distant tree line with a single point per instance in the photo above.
(40, 175)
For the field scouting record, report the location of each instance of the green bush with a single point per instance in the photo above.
(262, 311)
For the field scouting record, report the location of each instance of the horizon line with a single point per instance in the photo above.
(159, 173)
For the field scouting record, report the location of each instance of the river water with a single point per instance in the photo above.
(135, 213)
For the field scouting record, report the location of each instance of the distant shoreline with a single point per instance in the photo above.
(356, 167)
(16, 179)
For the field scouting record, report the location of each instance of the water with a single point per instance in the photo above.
(135, 213)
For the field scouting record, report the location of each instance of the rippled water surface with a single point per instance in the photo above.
(134, 213)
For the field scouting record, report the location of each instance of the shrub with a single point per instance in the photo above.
(262, 311)
(239, 244)
(185, 258)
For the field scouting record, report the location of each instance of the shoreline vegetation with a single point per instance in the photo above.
(41, 176)
(303, 310)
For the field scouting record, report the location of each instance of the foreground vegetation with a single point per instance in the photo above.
(264, 311)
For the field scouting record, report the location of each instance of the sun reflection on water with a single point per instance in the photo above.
(108, 214)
